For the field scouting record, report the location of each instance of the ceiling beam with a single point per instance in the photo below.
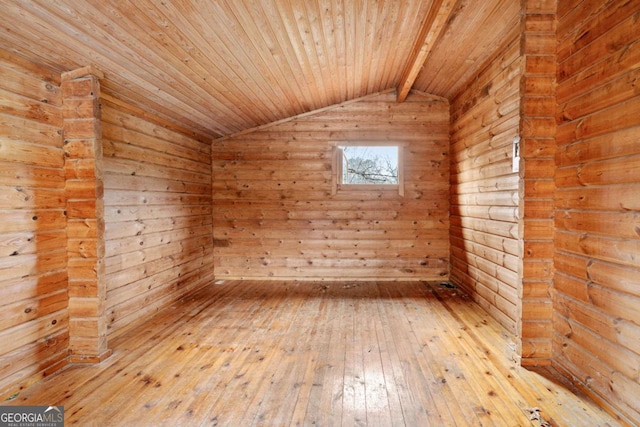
(431, 29)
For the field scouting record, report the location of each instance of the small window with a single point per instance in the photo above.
(366, 167)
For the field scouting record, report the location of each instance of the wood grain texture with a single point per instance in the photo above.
(485, 238)
(432, 25)
(316, 353)
(157, 196)
(34, 326)
(551, 254)
(82, 130)
(275, 215)
(537, 173)
(596, 299)
(220, 67)
(473, 32)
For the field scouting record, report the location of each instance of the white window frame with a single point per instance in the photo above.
(337, 167)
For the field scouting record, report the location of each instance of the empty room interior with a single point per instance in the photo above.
(321, 212)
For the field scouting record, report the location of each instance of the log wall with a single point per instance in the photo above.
(485, 240)
(597, 267)
(157, 243)
(34, 325)
(275, 215)
(158, 224)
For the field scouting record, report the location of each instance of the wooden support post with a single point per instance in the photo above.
(85, 216)
(537, 171)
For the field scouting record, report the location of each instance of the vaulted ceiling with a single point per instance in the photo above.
(219, 67)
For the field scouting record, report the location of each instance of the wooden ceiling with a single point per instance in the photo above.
(218, 67)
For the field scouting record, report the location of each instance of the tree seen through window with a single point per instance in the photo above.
(369, 165)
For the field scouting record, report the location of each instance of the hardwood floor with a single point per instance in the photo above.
(311, 353)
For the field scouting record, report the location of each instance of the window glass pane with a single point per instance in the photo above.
(370, 164)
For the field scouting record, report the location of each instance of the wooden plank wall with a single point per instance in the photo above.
(485, 245)
(597, 277)
(275, 216)
(34, 332)
(158, 224)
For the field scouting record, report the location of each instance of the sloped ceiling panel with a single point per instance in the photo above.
(476, 30)
(219, 67)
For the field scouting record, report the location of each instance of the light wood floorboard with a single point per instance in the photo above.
(315, 353)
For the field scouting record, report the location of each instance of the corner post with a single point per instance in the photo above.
(85, 215)
(537, 179)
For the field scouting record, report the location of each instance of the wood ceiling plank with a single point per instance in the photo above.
(394, 38)
(298, 55)
(475, 32)
(430, 31)
(195, 129)
(369, 48)
(128, 50)
(393, 57)
(64, 43)
(495, 29)
(157, 30)
(220, 66)
(329, 29)
(276, 76)
(307, 48)
(128, 96)
(382, 39)
(152, 117)
(226, 37)
(404, 36)
(314, 18)
(273, 22)
(186, 27)
(13, 41)
(379, 42)
(176, 25)
(336, 12)
(359, 42)
(350, 49)
(464, 12)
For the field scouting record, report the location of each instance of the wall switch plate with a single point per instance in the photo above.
(515, 166)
